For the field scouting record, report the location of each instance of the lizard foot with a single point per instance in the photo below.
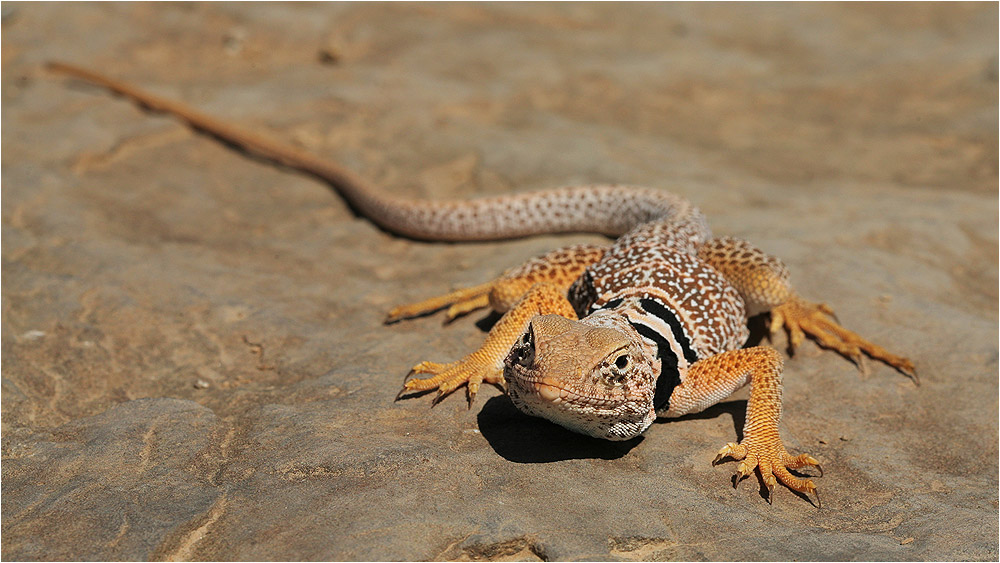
(770, 457)
(458, 302)
(800, 317)
(471, 371)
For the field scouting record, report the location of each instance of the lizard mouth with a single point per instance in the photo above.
(525, 386)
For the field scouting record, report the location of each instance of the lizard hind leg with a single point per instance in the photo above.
(459, 302)
(763, 282)
(560, 267)
(800, 317)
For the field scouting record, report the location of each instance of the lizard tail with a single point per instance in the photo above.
(604, 209)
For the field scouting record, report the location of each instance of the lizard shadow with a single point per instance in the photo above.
(520, 438)
(758, 330)
(486, 323)
(736, 409)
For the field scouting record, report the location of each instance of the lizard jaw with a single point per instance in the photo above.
(524, 384)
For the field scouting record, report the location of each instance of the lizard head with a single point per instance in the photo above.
(592, 380)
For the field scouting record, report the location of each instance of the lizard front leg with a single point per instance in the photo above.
(486, 363)
(763, 282)
(710, 380)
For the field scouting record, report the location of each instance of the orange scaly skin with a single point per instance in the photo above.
(601, 340)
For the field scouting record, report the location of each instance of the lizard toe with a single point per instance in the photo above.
(801, 318)
(446, 378)
(770, 458)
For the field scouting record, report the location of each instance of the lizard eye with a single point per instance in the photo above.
(526, 337)
(617, 373)
(622, 362)
(523, 351)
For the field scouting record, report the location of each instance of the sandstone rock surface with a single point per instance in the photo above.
(194, 364)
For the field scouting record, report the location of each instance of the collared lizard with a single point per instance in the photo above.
(599, 339)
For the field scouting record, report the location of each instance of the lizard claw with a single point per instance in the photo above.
(859, 360)
(828, 310)
(437, 399)
(743, 470)
(728, 450)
